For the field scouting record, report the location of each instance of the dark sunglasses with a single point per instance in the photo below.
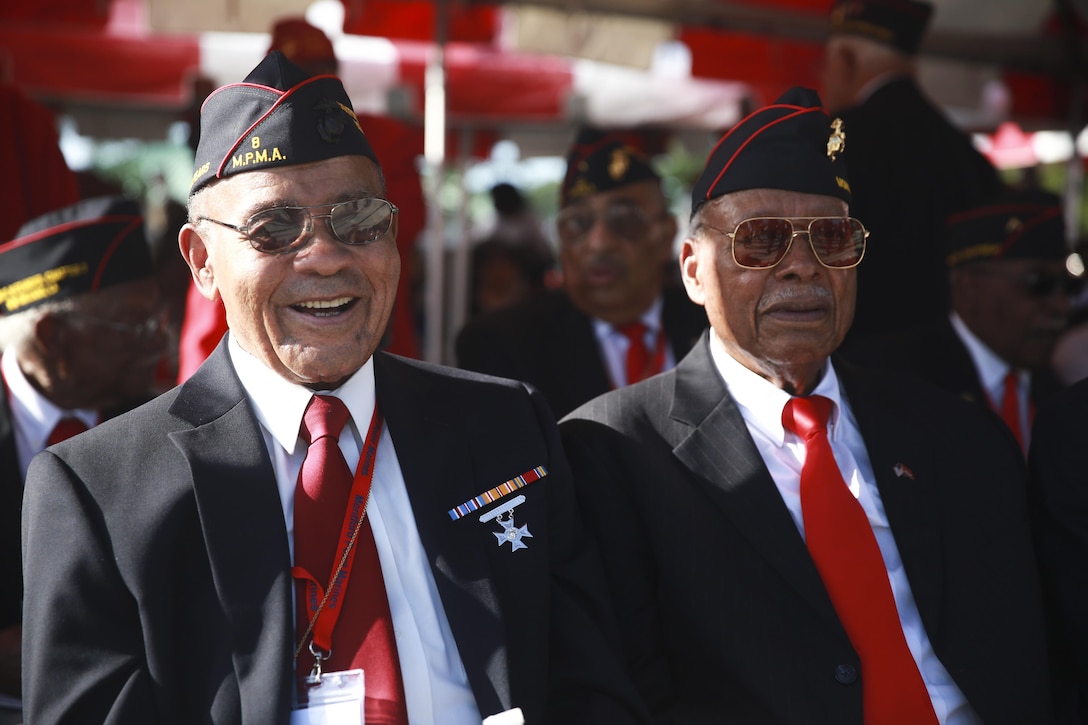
(763, 242)
(284, 229)
(624, 221)
(1044, 284)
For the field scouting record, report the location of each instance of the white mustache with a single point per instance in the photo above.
(790, 293)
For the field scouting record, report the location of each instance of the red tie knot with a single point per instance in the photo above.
(325, 416)
(635, 332)
(1012, 383)
(806, 416)
(65, 429)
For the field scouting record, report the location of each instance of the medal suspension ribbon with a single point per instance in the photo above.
(324, 615)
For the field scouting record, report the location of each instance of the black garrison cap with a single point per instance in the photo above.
(1015, 225)
(790, 144)
(898, 23)
(278, 116)
(602, 160)
(87, 246)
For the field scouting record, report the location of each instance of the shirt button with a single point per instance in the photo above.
(846, 674)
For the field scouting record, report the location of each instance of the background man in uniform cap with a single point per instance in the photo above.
(752, 582)
(80, 341)
(198, 560)
(615, 320)
(909, 166)
(1010, 302)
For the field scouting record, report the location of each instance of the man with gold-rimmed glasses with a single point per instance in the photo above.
(788, 538)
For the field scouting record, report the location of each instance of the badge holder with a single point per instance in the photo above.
(335, 698)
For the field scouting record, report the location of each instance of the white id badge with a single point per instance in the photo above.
(338, 700)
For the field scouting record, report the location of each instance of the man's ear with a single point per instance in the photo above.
(689, 271)
(194, 250)
(849, 66)
(50, 332)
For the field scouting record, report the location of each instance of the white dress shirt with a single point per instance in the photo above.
(33, 416)
(761, 403)
(436, 686)
(614, 344)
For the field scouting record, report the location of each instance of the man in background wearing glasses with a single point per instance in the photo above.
(788, 538)
(80, 334)
(617, 319)
(1011, 296)
(307, 530)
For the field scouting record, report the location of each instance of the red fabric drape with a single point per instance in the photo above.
(38, 178)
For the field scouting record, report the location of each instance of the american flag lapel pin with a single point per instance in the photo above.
(902, 471)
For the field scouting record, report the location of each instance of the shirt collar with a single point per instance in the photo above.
(991, 368)
(651, 318)
(279, 404)
(761, 401)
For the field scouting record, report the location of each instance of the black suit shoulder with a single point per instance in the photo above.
(1058, 499)
(11, 494)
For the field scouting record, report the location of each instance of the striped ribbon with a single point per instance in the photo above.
(503, 489)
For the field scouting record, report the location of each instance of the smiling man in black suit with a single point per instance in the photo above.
(210, 557)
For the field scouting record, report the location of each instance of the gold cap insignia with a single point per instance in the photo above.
(836, 142)
(619, 164)
(1013, 224)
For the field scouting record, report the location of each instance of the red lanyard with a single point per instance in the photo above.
(323, 608)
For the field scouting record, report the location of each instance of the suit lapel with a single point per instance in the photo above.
(907, 477)
(242, 520)
(720, 452)
(953, 364)
(435, 462)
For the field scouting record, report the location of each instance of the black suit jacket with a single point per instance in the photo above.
(550, 343)
(11, 496)
(909, 168)
(723, 613)
(11, 501)
(1059, 509)
(935, 353)
(161, 587)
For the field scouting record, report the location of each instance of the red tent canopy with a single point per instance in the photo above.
(103, 50)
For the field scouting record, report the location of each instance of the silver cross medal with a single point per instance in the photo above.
(511, 532)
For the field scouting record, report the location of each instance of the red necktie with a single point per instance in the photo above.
(65, 429)
(841, 543)
(1010, 406)
(638, 357)
(363, 636)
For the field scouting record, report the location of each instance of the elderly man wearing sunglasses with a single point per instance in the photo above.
(1012, 280)
(618, 318)
(309, 530)
(789, 538)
